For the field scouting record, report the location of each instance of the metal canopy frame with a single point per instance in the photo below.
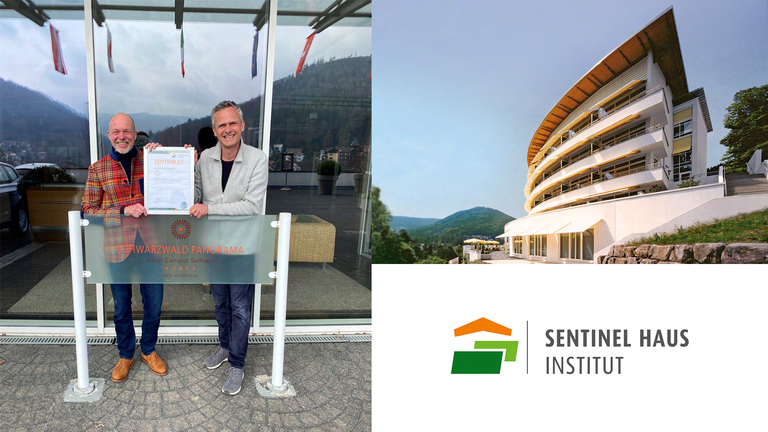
(336, 12)
(339, 10)
(28, 9)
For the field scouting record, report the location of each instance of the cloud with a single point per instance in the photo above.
(147, 62)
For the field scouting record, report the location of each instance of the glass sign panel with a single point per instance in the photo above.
(174, 249)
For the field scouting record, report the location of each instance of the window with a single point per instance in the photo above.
(517, 245)
(683, 129)
(625, 168)
(538, 245)
(620, 137)
(625, 98)
(682, 155)
(577, 246)
(682, 166)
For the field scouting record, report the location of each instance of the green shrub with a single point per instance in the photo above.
(329, 167)
(688, 183)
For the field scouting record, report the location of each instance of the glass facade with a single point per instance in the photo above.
(44, 120)
(517, 245)
(538, 245)
(167, 70)
(682, 165)
(577, 246)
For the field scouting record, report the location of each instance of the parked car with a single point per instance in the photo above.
(25, 168)
(12, 213)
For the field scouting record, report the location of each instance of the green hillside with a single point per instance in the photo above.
(327, 105)
(408, 223)
(36, 128)
(479, 221)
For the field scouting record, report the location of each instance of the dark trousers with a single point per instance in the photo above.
(152, 299)
(233, 313)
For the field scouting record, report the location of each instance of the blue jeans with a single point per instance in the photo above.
(233, 313)
(152, 299)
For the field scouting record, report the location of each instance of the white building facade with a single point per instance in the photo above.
(608, 161)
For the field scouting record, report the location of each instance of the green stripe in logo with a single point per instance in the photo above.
(476, 362)
(510, 347)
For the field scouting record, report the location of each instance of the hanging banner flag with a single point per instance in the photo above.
(58, 55)
(253, 57)
(109, 50)
(304, 54)
(182, 53)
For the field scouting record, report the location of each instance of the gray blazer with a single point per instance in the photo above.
(246, 186)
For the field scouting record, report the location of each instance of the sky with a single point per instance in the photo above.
(147, 62)
(461, 86)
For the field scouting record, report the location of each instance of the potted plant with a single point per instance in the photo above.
(327, 173)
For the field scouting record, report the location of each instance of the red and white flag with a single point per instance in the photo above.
(109, 50)
(58, 55)
(182, 53)
(304, 54)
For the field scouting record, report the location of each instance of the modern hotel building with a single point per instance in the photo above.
(607, 161)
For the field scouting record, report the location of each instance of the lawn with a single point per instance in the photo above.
(744, 228)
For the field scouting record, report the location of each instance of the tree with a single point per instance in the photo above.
(432, 260)
(747, 118)
(459, 252)
(388, 246)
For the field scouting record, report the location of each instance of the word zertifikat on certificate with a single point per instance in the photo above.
(169, 180)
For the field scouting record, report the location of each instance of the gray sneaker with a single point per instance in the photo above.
(217, 357)
(234, 380)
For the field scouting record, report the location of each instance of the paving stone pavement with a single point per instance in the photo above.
(332, 382)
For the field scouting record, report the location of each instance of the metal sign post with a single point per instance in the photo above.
(279, 386)
(286, 157)
(83, 389)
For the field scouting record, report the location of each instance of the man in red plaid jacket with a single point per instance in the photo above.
(115, 187)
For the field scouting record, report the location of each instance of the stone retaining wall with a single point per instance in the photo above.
(700, 253)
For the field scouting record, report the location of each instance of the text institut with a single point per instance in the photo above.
(614, 338)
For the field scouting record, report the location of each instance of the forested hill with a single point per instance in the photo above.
(32, 123)
(408, 223)
(328, 104)
(478, 221)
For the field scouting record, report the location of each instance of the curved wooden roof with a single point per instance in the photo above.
(659, 37)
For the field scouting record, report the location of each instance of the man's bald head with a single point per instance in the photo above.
(122, 132)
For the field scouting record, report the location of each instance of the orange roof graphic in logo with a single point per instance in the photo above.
(482, 324)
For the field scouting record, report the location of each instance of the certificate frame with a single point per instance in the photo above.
(176, 167)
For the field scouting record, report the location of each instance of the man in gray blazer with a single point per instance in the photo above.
(230, 179)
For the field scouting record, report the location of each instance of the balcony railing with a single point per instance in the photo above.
(599, 179)
(600, 145)
(597, 119)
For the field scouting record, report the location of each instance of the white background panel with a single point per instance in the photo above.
(717, 382)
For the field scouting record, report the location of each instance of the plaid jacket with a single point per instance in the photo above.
(106, 191)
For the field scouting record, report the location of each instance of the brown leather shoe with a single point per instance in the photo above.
(156, 365)
(120, 372)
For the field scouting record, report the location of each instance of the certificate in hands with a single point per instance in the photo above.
(169, 180)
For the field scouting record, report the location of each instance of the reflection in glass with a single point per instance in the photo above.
(320, 114)
(44, 118)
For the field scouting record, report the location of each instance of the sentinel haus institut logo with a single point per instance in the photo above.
(566, 351)
(493, 354)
